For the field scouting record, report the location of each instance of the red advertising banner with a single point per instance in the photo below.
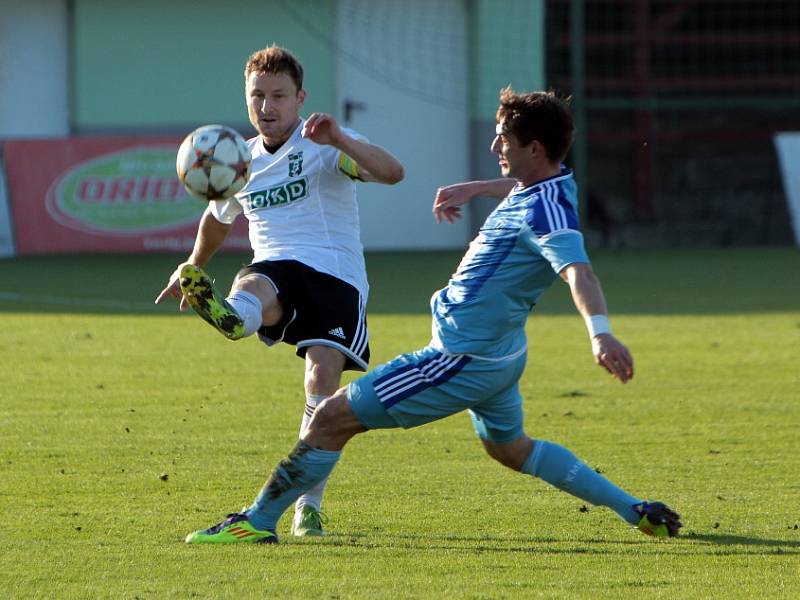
(102, 195)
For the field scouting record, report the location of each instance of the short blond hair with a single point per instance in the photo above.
(274, 59)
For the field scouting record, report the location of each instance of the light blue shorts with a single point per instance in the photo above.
(426, 385)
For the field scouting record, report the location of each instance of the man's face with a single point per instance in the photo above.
(515, 160)
(273, 105)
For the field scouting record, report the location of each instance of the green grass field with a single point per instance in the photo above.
(123, 426)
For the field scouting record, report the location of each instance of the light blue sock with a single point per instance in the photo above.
(301, 470)
(561, 468)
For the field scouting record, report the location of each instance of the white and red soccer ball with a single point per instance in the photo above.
(213, 162)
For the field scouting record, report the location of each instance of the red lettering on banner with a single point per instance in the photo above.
(129, 189)
(122, 188)
(91, 190)
(168, 189)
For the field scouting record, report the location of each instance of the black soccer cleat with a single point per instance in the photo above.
(657, 519)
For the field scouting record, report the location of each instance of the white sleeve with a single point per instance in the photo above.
(224, 211)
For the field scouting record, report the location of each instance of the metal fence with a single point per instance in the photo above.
(677, 104)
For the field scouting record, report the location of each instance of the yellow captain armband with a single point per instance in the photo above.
(349, 167)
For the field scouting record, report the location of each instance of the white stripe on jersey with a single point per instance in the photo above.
(556, 215)
(388, 389)
(547, 211)
(408, 379)
(552, 199)
(361, 336)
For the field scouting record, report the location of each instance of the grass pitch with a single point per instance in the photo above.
(123, 426)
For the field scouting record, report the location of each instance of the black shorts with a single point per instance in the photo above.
(318, 310)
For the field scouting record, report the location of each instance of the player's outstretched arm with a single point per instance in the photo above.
(211, 234)
(450, 198)
(588, 297)
(374, 163)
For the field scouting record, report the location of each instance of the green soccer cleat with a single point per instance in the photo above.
(199, 291)
(657, 519)
(308, 522)
(235, 529)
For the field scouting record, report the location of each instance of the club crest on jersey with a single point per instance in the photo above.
(295, 164)
(280, 195)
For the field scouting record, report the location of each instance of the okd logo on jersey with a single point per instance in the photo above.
(295, 164)
(127, 192)
(279, 195)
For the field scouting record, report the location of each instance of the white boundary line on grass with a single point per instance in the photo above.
(68, 301)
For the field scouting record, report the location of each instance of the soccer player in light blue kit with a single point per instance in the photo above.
(478, 351)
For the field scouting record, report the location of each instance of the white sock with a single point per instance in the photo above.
(312, 497)
(249, 308)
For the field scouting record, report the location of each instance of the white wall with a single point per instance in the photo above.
(34, 98)
(404, 65)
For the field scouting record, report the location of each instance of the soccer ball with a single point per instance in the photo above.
(213, 162)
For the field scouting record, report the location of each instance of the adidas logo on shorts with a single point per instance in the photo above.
(338, 332)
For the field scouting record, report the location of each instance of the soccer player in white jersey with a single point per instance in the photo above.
(478, 351)
(307, 284)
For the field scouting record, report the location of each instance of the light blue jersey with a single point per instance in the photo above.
(477, 354)
(523, 245)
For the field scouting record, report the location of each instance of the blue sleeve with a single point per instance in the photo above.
(554, 231)
(563, 249)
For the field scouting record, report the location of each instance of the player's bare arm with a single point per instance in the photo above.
(374, 163)
(211, 234)
(588, 297)
(450, 198)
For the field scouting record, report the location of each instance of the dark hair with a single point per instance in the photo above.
(541, 116)
(274, 59)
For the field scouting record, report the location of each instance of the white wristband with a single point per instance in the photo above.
(597, 325)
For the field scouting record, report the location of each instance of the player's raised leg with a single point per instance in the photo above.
(199, 291)
(252, 302)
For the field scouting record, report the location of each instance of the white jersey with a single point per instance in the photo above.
(301, 205)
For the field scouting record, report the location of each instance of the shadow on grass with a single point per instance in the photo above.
(725, 539)
(552, 545)
(672, 281)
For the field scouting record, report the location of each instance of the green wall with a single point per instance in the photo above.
(152, 64)
(509, 47)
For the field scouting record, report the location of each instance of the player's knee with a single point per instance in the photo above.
(511, 454)
(255, 284)
(261, 288)
(333, 418)
(328, 416)
(503, 458)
